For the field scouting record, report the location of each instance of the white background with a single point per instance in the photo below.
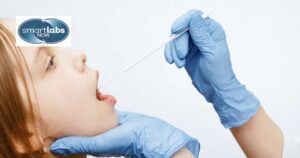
(263, 37)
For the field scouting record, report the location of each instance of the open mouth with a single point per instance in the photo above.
(109, 99)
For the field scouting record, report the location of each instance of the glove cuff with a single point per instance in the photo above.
(235, 104)
(186, 141)
(193, 146)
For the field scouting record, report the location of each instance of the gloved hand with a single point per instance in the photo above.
(136, 136)
(204, 53)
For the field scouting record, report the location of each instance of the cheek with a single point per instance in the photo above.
(64, 98)
(70, 107)
(60, 107)
(65, 115)
(78, 87)
(73, 90)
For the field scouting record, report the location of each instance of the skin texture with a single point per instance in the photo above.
(63, 93)
(183, 153)
(259, 137)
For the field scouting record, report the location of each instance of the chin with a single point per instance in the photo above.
(110, 123)
(95, 119)
(105, 120)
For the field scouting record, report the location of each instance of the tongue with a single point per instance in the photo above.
(109, 99)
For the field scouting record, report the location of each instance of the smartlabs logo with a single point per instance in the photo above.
(45, 31)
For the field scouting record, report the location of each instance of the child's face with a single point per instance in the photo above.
(66, 92)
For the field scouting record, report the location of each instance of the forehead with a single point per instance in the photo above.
(10, 25)
(28, 52)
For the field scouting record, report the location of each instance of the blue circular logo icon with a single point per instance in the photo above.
(48, 31)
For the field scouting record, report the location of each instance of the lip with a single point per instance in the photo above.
(97, 80)
(109, 99)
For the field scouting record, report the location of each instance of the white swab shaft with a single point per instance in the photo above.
(172, 37)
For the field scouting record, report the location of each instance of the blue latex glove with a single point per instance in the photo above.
(136, 136)
(204, 53)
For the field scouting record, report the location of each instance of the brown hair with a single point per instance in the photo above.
(15, 112)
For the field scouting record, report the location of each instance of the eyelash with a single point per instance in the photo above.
(51, 64)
